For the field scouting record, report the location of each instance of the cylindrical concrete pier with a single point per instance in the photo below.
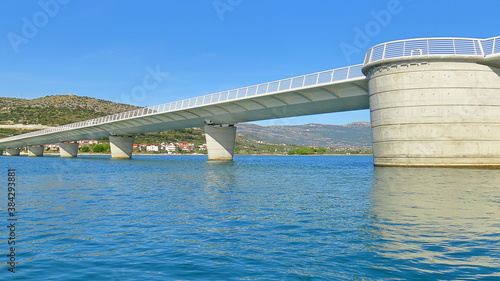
(121, 146)
(220, 142)
(68, 149)
(430, 111)
(12, 151)
(35, 150)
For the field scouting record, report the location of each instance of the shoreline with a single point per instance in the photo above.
(165, 154)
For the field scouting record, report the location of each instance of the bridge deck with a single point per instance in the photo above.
(328, 91)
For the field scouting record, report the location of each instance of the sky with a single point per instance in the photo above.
(149, 52)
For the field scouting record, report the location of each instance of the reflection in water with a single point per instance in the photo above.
(449, 217)
(217, 181)
(220, 173)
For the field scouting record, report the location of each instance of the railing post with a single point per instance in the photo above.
(481, 48)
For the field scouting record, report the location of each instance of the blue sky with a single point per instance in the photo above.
(110, 49)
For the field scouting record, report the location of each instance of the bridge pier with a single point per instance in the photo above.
(68, 149)
(435, 112)
(12, 151)
(220, 142)
(35, 151)
(121, 146)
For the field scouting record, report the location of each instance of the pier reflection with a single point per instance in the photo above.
(438, 216)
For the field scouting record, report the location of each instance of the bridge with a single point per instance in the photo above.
(433, 102)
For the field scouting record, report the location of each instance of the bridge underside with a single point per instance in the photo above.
(342, 96)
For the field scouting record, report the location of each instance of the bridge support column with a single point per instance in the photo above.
(35, 150)
(435, 112)
(12, 151)
(220, 142)
(121, 146)
(68, 149)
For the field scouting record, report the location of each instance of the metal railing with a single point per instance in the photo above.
(433, 46)
(308, 80)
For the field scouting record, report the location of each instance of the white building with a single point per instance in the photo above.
(153, 147)
(171, 148)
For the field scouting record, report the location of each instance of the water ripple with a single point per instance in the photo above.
(257, 218)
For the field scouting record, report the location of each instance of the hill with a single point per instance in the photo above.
(56, 110)
(356, 134)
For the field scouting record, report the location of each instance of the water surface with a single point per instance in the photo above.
(257, 218)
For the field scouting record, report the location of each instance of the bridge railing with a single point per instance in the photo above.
(298, 82)
(491, 45)
(433, 46)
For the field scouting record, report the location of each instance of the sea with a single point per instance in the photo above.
(255, 218)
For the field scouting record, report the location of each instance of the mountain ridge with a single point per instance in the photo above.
(356, 134)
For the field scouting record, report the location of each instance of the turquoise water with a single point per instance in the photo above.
(257, 218)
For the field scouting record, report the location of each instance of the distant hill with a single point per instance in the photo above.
(356, 134)
(56, 110)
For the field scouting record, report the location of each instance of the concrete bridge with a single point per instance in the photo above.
(433, 102)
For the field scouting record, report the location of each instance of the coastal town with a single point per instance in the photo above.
(92, 146)
(164, 147)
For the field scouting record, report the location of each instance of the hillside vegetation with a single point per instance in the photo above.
(56, 110)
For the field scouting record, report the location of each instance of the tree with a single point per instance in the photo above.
(321, 150)
(100, 148)
(302, 151)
